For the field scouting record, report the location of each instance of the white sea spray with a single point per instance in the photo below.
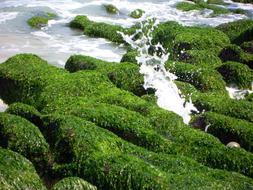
(155, 75)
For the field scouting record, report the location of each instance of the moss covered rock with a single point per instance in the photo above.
(16, 172)
(23, 137)
(177, 39)
(240, 109)
(237, 74)
(91, 95)
(137, 13)
(40, 21)
(110, 163)
(130, 56)
(73, 183)
(204, 79)
(238, 31)
(235, 53)
(201, 58)
(111, 9)
(227, 129)
(247, 47)
(26, 111)
(201, 5)
(124, 75)
(96, 29)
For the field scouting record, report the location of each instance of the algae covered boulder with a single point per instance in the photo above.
(202, 58)
(177, 38)
(40, 20)
(238, 74)
(111, 9)
(235, 53)
(247, 47)
(240, 109)
(96, 29)
(226, 128)
(26, 111)
(73, 183)
(23, 137)
(201, 5)
(16, 172)
(238, 31)
(90, 95)
(204, 79)
(124, 75)
(15, 87)
(137, 13)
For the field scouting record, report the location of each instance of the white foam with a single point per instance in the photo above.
(3, 106)
(238, 94)
(156, 76)
(4, 16)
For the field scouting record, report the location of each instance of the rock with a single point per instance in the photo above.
(73, 183)
(16, 172)
(233, 145)
(138, 13)
(111, 9)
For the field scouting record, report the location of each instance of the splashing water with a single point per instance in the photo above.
(3, 106)
(155, 74)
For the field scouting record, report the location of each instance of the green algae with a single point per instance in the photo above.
(227, 129)
(238, 31)
(91, 95)
(40, 21)
(138, 13)
(73, 183)
(17, 172)
(238, 74)
(111, 9)
(21, 136)
(204, 79)
(96, 29)
(201, 5)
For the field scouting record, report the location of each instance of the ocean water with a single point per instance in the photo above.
(57, 41)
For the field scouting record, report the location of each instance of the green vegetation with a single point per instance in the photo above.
(111, 9)
(201, 5)
(26, 111)
(247, 47)
(227, 129)
(23, 137)
(91, 95)
(124, 75)
(129, 56)
(177, 39)
(17, 172)
(235, 53)
(138, 13)
(73, 183)
(204, 79)
(240, 109)
(238, 31)
(40, 21)
(94, 123)
(202, 58)
(237, 73)
(110, 163)
(96, 29)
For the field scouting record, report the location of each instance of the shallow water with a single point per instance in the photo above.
(57, 42)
